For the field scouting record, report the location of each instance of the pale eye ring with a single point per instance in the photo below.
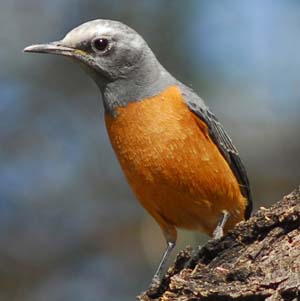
(100, 44)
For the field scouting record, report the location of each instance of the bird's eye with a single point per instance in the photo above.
(100, 44)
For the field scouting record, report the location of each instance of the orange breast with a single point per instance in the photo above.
(172, 165)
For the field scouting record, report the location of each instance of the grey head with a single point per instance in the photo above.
(116, 57)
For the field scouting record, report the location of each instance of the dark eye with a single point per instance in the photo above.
(100, 44)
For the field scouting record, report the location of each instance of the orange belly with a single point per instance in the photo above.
(172, 165)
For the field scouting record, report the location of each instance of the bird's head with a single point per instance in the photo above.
(116, 57)
(109, 49)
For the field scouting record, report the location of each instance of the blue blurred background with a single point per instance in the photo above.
(70, 228)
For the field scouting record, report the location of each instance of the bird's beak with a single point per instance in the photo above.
(52, 48)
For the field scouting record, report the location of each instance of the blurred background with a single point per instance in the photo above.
(70, 228)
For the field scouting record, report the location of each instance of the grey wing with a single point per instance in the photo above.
(222, 140)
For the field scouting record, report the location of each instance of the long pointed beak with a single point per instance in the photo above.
(52, 48)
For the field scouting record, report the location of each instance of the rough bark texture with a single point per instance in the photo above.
(258, 260)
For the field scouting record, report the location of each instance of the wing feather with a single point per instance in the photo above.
(222, 140)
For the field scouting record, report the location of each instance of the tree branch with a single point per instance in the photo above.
(258, 260)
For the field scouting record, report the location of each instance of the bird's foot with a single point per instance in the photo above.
(154, 287)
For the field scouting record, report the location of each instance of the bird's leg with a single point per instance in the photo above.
(155, 283)
(218, 232)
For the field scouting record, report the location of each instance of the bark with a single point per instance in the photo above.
(258, 260)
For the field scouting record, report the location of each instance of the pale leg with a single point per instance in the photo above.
(218, 232)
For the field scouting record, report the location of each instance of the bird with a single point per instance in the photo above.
(176, 156)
